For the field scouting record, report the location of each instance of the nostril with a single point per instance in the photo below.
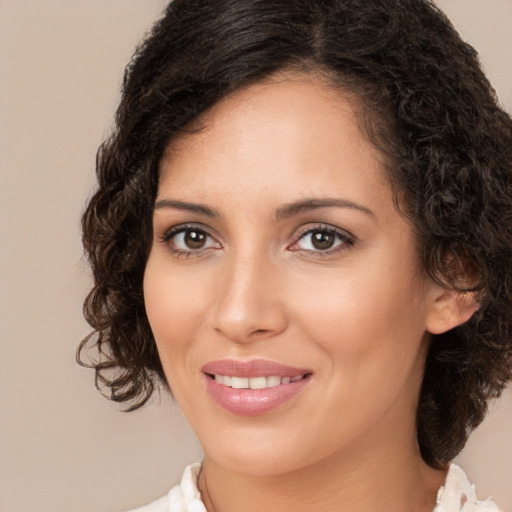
(260, 331)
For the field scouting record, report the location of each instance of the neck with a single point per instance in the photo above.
(393, 480)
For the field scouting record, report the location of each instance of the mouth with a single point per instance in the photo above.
(250, 388)
(262, 382)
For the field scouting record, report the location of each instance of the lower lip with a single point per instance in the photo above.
(252, 402)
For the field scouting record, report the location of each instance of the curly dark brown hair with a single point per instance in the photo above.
(425, 103)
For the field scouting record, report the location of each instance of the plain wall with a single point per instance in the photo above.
(63, 448)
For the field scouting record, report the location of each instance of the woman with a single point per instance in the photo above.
(303, 228)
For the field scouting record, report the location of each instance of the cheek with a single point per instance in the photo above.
(366, 315)
(371, 343)
(172, 305)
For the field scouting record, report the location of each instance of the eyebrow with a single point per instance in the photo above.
(291, 209)
(282, 213)
(188, 207)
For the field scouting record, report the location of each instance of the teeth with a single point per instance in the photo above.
(273, 381)
(255, 382)
(258, 382)
(239, 382)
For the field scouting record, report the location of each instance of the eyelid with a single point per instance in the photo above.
(346, 237)
(173, 231)
(179, 228)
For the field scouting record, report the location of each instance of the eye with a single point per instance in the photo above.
(189, 239)
(322, 239)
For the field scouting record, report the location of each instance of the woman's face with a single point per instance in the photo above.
(280, 265)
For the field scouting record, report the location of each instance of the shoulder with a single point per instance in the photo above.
(184, 497)
(458, 495)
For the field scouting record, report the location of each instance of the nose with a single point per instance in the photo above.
(249, 303)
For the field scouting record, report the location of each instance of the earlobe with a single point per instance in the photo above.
(451, 309)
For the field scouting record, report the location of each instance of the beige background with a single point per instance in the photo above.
(63, 448)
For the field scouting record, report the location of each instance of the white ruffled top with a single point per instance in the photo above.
(456, 495)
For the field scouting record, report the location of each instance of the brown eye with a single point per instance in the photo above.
(322, 240)
(190, 239)
(194, 239)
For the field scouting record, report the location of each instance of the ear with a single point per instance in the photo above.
(449, 309)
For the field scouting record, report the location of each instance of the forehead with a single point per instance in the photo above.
(281, 139)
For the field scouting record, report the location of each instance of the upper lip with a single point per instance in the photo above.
(252, 368)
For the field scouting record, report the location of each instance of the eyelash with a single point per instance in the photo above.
(172, 233)
(344, 239)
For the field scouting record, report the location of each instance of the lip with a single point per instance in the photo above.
(252, 402)
(252, 368)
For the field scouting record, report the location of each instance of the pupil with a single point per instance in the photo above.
(194, 239)
(322, 240)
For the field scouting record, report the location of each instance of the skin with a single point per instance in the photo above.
(358, 315)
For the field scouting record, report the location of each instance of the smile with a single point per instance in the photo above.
(254, 382)
(250, 388)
